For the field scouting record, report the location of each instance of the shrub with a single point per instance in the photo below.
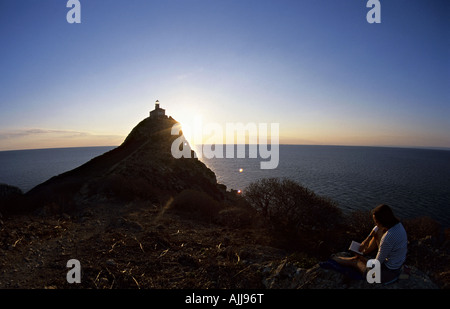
(298, 218)
(196, 203)
(421, 227)
(286, 204)
(10, 199)
(7, 191)
(237, 217)
(237, 212)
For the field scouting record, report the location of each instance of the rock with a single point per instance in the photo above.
(282, 276)
(111, 262)
(286, 275)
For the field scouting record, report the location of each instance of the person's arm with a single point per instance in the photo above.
(369, 243)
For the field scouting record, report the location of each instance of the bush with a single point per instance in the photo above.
(421, 227)
(7, 191)
(196, 203)
(297, 217)
(10, 199)
(286, 204)
(237, 217)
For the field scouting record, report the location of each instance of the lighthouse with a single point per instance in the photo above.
(157, 112)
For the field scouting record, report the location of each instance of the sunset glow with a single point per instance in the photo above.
(318, 69)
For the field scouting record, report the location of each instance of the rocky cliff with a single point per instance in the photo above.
(142, 167)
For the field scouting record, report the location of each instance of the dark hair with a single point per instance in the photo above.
(383, 213)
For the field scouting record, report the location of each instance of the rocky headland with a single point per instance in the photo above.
(136, 217)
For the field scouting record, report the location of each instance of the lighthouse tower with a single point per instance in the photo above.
(157, 112)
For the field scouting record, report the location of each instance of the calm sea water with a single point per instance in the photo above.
(414, 182)
(27, 168)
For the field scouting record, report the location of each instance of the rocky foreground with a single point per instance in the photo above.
(144, 246)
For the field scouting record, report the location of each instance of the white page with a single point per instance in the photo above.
(354, 246)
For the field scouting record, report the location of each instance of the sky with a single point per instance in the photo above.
(315, 67)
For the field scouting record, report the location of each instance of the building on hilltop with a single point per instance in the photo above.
(157, 112)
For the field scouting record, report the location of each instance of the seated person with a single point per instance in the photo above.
(389, 236)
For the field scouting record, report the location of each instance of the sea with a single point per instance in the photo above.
(414, 182)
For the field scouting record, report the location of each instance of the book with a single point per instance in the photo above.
(354, 246)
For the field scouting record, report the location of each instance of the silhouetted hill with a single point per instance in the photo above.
(142, 167)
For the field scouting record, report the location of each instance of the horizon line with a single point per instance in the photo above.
(279, 144)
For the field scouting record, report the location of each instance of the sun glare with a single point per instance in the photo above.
(188, 124)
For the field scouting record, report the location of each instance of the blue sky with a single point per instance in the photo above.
(316, 67)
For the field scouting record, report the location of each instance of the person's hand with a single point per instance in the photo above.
(363, 247)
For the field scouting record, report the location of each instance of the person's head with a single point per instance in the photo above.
(383, 216)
